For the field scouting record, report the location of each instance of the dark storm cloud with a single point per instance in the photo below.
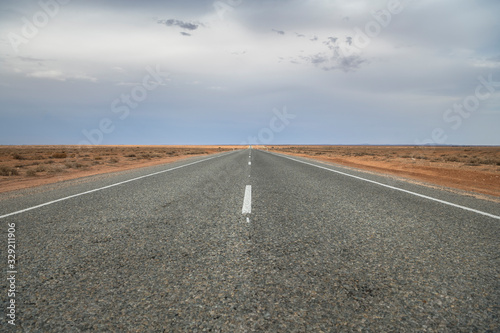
(280, 32)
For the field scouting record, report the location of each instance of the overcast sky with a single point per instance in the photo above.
(241, 71)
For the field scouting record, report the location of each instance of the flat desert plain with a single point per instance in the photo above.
(475, 169)
(471, 168)
(29, 166)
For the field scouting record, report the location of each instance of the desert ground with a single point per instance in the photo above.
(471, 168)
(474, 169)
(29, 166)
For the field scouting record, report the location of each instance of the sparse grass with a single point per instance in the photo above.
(467, 156)
(34, 163)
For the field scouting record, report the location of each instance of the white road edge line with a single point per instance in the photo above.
(249, 163)
(247, 200)
(105, 187)
(395, 188)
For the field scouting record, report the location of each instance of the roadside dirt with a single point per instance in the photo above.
(30, 166)
(474, 169)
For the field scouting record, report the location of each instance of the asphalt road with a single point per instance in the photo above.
(250, 241)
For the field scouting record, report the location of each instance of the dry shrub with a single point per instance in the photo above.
(473, 161)
(41, 168)
(490, 160)
(451, 159)
(59, 155)
(31, 173)
(16, 156)
(55, 169)
(8, 171)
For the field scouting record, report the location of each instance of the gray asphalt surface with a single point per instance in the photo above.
(320, 251)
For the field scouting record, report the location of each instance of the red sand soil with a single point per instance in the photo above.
(29, 166)
(474, 169)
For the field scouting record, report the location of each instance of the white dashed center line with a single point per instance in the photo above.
(247, 201)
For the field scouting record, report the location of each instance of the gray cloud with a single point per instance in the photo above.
(350, 63)
(30, 59)
(333, 58)
(318, 59)
(426, 63)
(328, 62)
(179, 23)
